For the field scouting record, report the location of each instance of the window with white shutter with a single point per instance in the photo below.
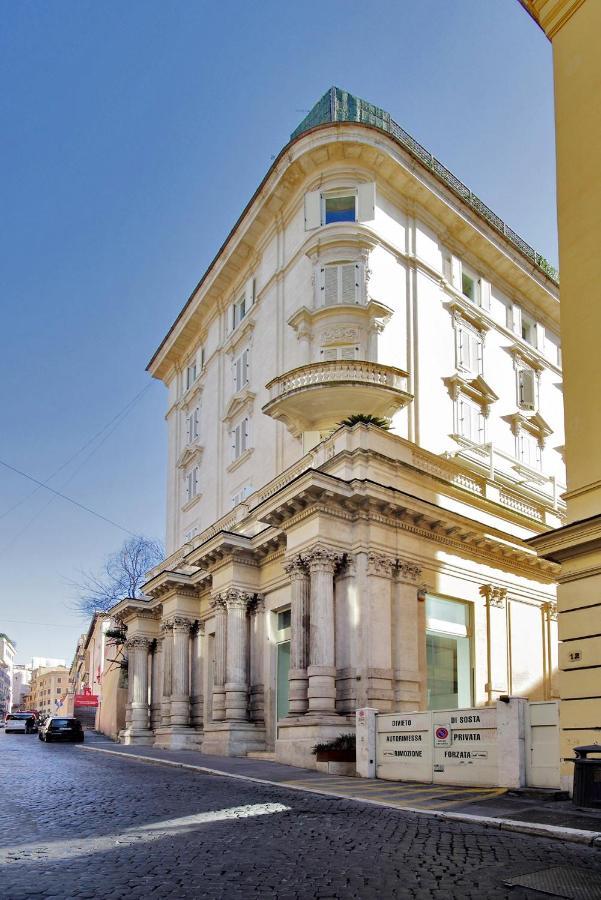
(241, 370)
(526, 379)
(528, 449)
(330, 353)
(191, 483)
(240, 438)
(469, 350)
(470, 420)
(340, 284)
(190, 375)
(240, 307)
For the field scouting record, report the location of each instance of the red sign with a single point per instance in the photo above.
(86, 699)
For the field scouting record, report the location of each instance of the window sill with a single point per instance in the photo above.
(241, 459)
(189, 504)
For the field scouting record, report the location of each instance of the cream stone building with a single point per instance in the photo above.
(48, 689)
(314, 568)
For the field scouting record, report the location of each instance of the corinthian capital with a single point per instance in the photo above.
(134, 643)
(550, 610)
(296, 568)
(181, 623)
(494, 596)
(380, 564)
(408, 571)
(323, 559)
(236, 598)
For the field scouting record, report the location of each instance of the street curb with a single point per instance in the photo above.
(555, 832)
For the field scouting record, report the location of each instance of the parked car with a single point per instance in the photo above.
(20, 722)
(61, 728)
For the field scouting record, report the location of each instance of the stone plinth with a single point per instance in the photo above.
(296, 737)
(233, 738)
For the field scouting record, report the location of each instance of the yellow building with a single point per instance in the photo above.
(48, 689)
(574, 26)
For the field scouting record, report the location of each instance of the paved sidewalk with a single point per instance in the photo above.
(496, 807)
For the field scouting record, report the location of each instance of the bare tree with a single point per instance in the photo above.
(122, 575)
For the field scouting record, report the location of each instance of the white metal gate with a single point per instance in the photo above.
(542, 744)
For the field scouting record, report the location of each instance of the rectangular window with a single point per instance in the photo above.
(190, 376)
(240, 439)
(193, 426)
(242, 494)
(448, 651)
(240, 370)
(470, 284)
(529, 451)
(240, 308)
(526, 389)
(191, 482)
(340, 284)
(528, 329)
(469, 350)
(339, 209)
(471, 421)
(330, 353)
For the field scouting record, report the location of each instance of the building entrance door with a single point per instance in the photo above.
(448, 653)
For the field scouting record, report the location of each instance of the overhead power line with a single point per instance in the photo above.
(66, 497)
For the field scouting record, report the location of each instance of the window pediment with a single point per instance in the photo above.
(240, 403)
(535, 425)
(464, 312)
(475, 388)
(190, 454)
(521, 357)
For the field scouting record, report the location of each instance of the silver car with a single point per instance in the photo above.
(20, 722)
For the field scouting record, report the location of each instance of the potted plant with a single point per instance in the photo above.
(366, 419)
(340, 749)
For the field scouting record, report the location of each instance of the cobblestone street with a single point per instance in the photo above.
(80, 824)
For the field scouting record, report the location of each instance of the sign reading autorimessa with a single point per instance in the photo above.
(445, 746)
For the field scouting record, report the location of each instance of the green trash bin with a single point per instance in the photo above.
(587, 776)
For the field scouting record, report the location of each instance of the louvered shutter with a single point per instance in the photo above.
(330, 285)
(348, 283)
(479, 355)
(456, 272)
(461, 348)
(249, 293)
(484, 294)
(312, 210)
(347, 353)
(245, 366)
(526, 388)
(330, 354)
(366, 202)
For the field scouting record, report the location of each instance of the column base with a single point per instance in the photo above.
(296, 737)
(130, 736)
(233, 738)
(178, 737)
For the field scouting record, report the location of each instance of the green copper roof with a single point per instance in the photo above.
(337, 105)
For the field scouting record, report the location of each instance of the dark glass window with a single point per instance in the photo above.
(340, 209)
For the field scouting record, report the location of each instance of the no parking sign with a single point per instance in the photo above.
(442, 736)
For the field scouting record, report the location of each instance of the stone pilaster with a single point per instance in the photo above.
(180, 671)
(257, 639)
(298, 680)
(218, 605)
(496, 641)
(156, 683)
(378, 675)
(167, 633)
(322, 563)
(237, 657)
(196, 682)
(409, 633)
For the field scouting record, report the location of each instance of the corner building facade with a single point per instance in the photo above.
(315, 567)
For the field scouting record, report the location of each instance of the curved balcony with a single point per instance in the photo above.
(317, 396)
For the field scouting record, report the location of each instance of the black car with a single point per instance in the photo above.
(61, 728)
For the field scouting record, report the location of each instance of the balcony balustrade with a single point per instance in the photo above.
(316, 396)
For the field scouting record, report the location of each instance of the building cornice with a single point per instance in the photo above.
(551, 15)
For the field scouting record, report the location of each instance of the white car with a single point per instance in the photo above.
(20, 722)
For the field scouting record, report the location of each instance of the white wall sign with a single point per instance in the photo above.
(404, 746)
(466, 753)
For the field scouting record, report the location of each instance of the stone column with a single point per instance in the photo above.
(196, 685)
(237, 665)
(138, 648)
(257, 637)
(167, 632)
(321, 692)
(496, 641)
(156, 684)
(180, 671)
(218, 604)
(298, 680)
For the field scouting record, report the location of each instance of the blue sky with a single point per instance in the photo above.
(133, 135)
